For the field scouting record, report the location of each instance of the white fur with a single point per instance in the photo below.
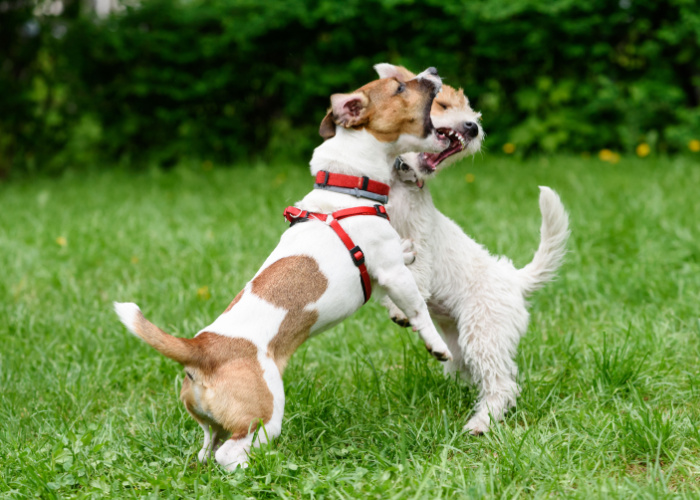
(477, 299)
(127, 312)
(353, 152)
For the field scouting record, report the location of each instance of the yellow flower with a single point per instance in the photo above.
(62, 241)
(469, 178)
(694, 146)
(134, 260)
(509, 148)
(643, 150)
(203, 293)
(605, 154)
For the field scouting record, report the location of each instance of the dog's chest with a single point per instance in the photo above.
(410, 209)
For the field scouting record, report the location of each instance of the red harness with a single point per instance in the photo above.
(294, 215)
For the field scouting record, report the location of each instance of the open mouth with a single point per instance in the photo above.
(457, 145)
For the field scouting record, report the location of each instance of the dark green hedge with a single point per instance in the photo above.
(220, 80)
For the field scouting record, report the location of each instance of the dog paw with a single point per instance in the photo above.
(441, 353)
(476, 426)
(409, 252)
(401, 321)
(397, 316)
(231, 456)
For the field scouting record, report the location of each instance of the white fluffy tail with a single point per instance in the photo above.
(553, 235)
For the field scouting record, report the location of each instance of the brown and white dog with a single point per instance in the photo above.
(308, 284)
(479, 300)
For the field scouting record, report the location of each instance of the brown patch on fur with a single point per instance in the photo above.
(389, 114)
(291, 282)
(293, 332)
(235, 301)
(240, 396)
(447, 99)
(175, 348)
(229, 388)
(327, 128)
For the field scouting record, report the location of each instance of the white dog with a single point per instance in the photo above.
(309, 283)
(477, 299)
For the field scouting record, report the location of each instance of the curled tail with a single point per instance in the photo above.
(553, 235)
(181, 350)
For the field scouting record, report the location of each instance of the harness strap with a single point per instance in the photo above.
(360, 187)
(294, 215)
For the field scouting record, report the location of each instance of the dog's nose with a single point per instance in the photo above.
(432, 71)
(471, 129)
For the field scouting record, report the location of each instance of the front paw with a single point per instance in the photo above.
(441, 354)
(477, 426)
(401, 321)
(409, 251)
(397, 316)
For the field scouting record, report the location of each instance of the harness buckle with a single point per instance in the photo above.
(358, 256)
(299, 216)
(381, 211)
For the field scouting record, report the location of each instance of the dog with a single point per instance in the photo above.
(478, 300)
(234, 366)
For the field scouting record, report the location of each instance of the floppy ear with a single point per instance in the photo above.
(349, 110)
(327, 129)
(386, 70)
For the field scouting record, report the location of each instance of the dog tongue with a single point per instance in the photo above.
(432, 160)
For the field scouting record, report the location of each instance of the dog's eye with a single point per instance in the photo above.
(402, 87)
(443, 106)
(189, 375)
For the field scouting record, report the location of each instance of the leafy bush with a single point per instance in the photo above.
(222, 79)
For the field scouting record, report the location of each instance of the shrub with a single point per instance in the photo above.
(223, 79)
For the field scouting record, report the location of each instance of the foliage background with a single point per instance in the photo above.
(224, 79)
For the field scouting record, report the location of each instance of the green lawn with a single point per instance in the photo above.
(610, 371)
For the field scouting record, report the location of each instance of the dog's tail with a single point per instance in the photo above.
(553, 235)
(181, 350)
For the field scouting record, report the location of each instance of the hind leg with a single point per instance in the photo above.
(488, 348)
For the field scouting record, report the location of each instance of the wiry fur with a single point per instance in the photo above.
(478, 300)
(308, 283)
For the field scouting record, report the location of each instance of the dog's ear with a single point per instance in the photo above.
(349, 110)
(386, 70)
(327, 128)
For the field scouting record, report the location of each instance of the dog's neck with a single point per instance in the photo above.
(355, 152)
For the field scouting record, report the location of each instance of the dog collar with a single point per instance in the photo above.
(295, 215)
(360, 187)
(399, 164)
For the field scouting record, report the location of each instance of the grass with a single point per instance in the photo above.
(609, 367)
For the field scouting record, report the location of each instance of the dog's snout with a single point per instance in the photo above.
(471, 129)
